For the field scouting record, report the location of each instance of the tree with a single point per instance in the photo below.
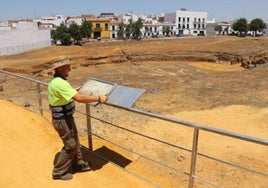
(147, 29)
(161, 19)
(218, 28)
(136, 28)
(86, 29)
(257, 24)
(121, 30)
(241, 25)
(132, 29)
(54, 35)
(128, 28)
(166, 30)
(75, 32)
(66, 39)
(61, 34)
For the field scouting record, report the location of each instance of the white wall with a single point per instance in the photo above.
(23, 39)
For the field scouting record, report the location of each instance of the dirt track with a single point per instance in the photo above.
(190, 79)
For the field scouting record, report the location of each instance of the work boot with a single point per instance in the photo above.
(82, 168)
(66, 176)
(85, 167)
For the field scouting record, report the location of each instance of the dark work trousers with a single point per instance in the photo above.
(70, 153)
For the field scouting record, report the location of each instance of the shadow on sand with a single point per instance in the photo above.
(97, 157)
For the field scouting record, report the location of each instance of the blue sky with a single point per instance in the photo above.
(224, 10)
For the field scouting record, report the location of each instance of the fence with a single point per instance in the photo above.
(188, 160)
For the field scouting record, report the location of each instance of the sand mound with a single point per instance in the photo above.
(28, 145)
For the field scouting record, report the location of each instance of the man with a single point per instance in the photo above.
(61, 97)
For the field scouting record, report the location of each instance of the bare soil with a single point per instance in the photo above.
(199, 80)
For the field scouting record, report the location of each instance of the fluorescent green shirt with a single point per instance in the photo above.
(60, 92)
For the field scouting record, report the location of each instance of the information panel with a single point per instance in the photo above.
(118, 95)
(97, 87)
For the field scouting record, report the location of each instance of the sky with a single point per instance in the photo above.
(224, 10)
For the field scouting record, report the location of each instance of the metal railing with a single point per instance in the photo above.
(193, 150)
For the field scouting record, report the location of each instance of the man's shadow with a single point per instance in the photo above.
(100, 157)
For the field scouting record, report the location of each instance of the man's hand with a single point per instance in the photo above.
(103, 99)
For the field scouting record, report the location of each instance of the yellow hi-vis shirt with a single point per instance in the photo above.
(60, 92)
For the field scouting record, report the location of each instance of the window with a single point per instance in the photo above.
(179, 19)
(106, 26)
(97, 25)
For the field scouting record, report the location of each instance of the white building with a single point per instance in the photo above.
(125, 18)
(114, 28)
(50, 21)
(190, 22)
(158, 29)
(74, 20)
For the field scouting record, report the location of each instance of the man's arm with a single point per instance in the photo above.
(88, 99)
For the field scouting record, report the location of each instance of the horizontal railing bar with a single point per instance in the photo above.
(207, 182)
(234, 165)
(202, 127)
(23, 77)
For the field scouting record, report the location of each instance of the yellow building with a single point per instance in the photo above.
(100, 27)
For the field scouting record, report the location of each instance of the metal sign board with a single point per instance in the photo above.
(118, 95)
(125, 96)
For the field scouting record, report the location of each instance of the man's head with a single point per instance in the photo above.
(62, 68)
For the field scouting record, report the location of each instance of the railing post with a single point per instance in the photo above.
(40, 99)
(89, 134)
(193, 160)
